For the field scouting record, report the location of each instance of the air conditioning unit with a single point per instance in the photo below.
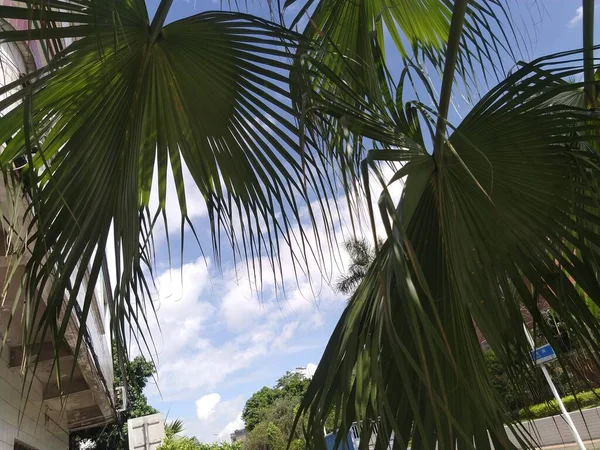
(120, 399)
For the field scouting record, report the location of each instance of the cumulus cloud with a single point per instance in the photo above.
(578, 17)
(240, 304)
(311, 368)
(208, 363)
(237, 424)
(181, 311)
(206, 405)
(308, 371)
(225, 418)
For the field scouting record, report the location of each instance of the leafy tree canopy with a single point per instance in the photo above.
(256, 405)
(114, 436)
(287, 390)
(175, 442)
(271, 412)
(265, 436)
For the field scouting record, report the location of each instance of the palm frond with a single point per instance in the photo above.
(114, 110)
(361, 254)
(174, 427)
(419, 31)
(510, 213)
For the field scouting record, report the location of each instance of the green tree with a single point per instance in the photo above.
(256, 405)
(179, 443)
(362, 254)
(279, 406)
(284, 396)
(140, 370)
(282, 413)
(265, 436)
(114, 436)
(174, 442)
(221, 446)
(292, 384)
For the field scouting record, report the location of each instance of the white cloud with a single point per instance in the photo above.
(281, 342)
(224, 419)
(206, 405)
(237, 424)
(578, 17)
(181, 312)
(308, 371)
(240, 304)
(194, 352)
(210, 364)
(311, 368)
(262, 326)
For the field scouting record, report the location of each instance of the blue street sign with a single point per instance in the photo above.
(543, 354)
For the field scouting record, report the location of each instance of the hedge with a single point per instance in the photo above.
(587, 399)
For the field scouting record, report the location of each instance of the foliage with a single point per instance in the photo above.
(586, 399)
(292, 384)
(277, 408)
(114, 436)
(361, 254)
(174, 442)
(174, 427)
(501, 382)
(138, 372)
(498, 209)
(220, 446)
(130, 103)
(178, 443)
(284, 397)
(265, 436)
(256, 405)
(516, 392)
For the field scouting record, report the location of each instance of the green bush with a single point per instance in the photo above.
(586, 399)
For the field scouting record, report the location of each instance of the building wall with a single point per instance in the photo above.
(37, 429)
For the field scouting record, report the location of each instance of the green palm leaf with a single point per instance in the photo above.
(129, 102)
(419, 31)
(508, 212)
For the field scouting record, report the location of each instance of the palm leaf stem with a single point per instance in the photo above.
(588, 52)
(159, 19)
(454, 37)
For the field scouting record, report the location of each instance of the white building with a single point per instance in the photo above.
(85, 398)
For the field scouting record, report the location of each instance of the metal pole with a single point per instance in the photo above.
(565, 414)
(563, 410)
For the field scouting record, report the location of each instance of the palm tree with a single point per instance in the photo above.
(495, 211)
(362, 254)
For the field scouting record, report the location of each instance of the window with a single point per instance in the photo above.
(21, 446)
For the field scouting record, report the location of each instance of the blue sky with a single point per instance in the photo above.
(222, 338)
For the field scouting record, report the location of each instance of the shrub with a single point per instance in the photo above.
(586, 399)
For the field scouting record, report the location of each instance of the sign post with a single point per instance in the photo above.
(541, 356)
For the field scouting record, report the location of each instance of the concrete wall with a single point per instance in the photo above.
(38, 429)
(554, 430)
(96, 327)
